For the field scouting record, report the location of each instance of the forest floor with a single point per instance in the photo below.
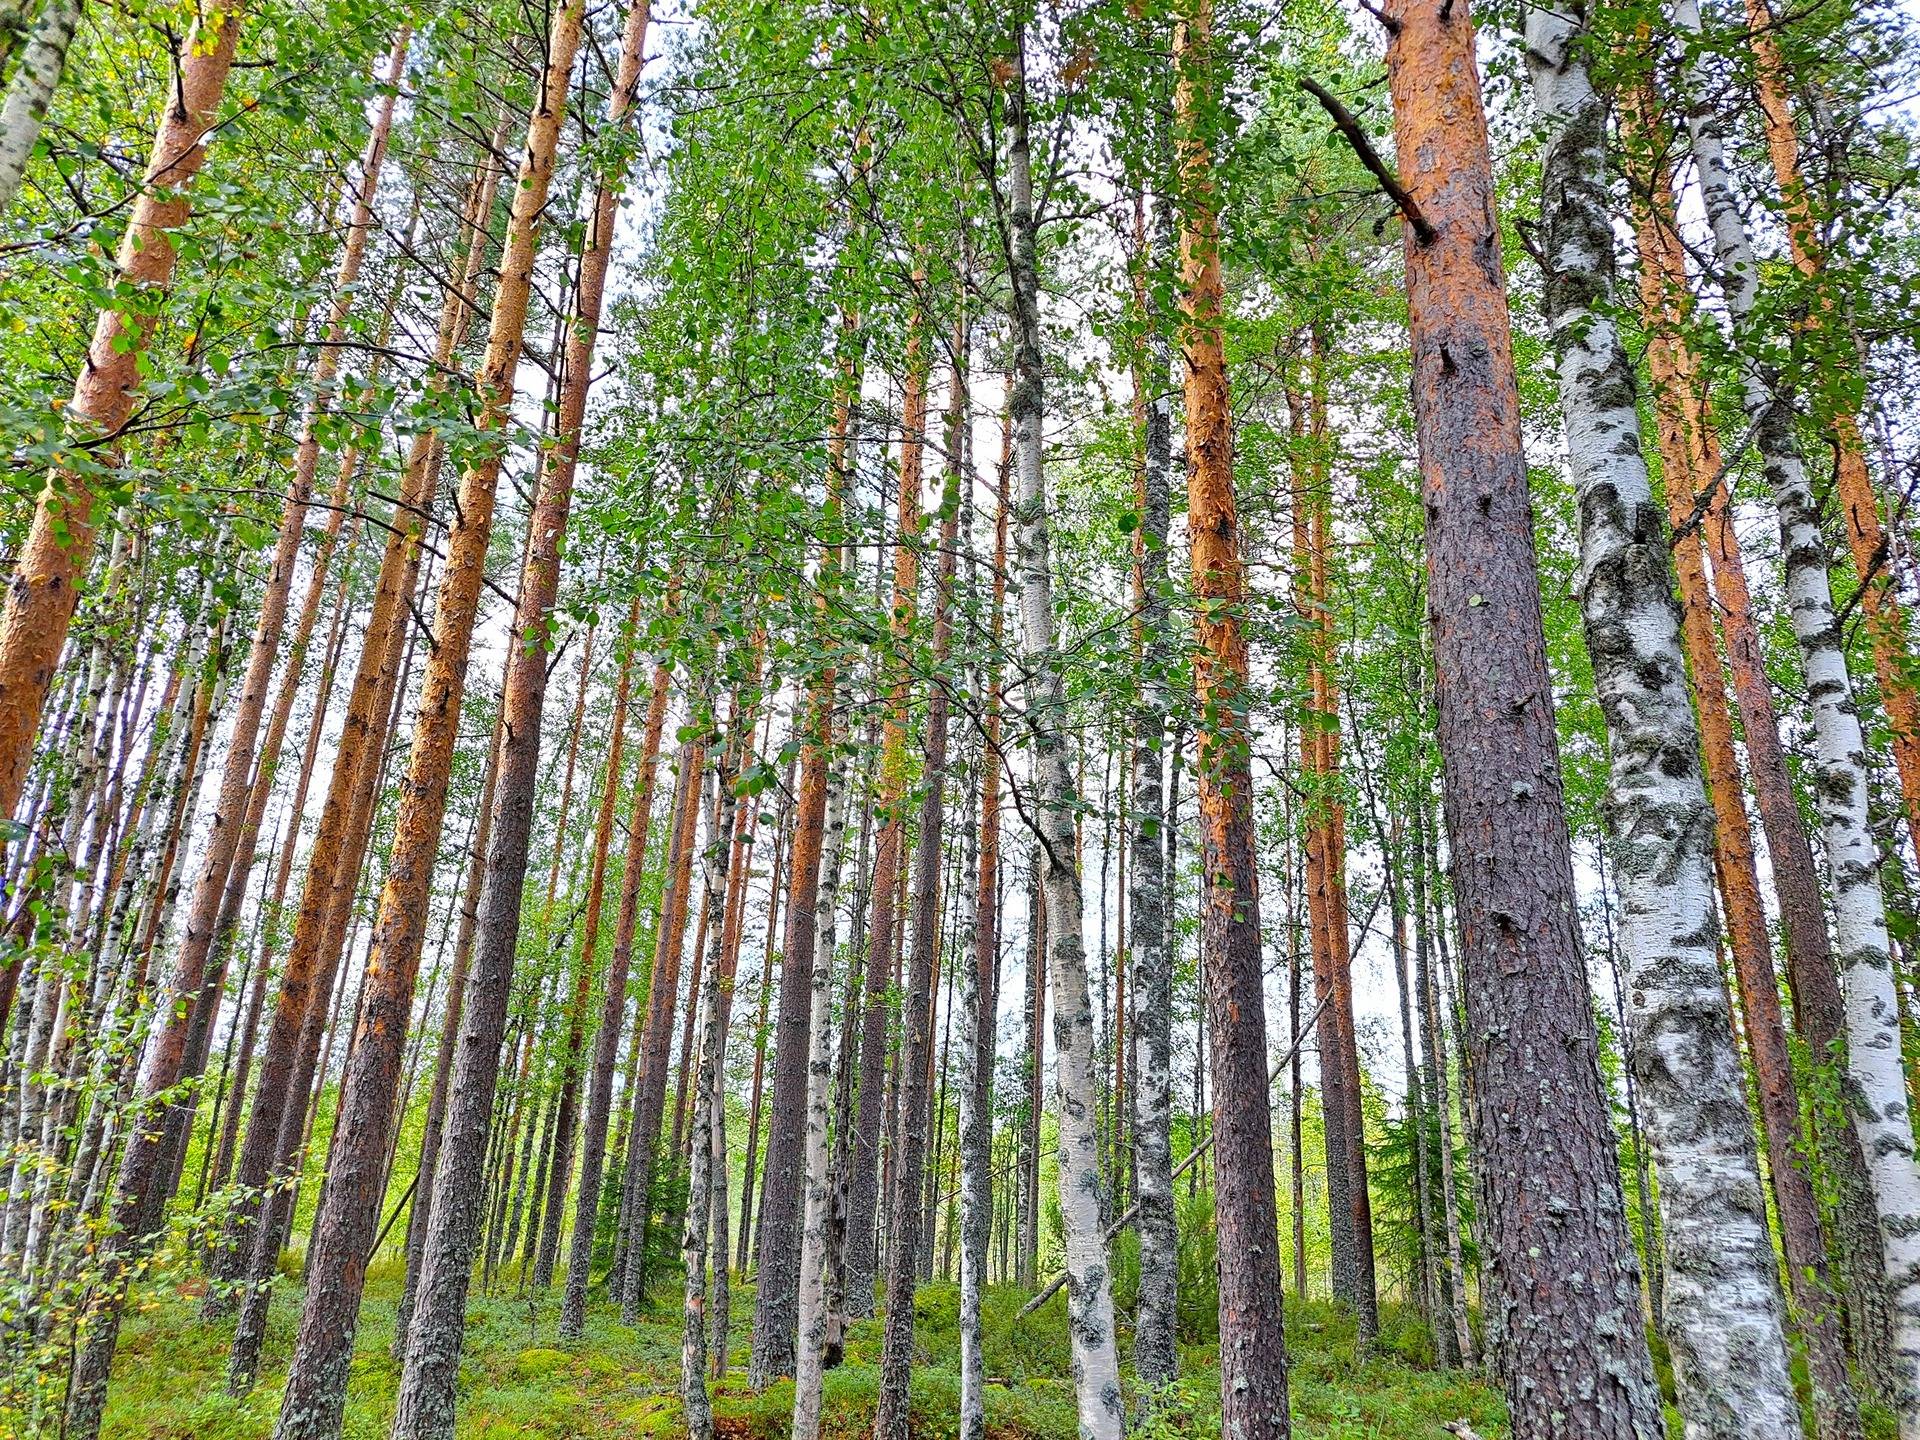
(619, 1382)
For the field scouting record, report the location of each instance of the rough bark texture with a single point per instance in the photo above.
(707, 1100)
(1155, 1356)
(53, 559)
(916, 1040)
(979, 1001)
(1725, 1321)
(426, 1399)
(811, 1353)
(1836, 362)
(30, 91)
(228, 822)
(1676, 379)
(1837, 777)
(1560, 1286)
(1348, 1202)
(44, 589)
(1096, 1366)
(1253, 1357)
(315, 1397)
(1819, 1007)
(319, 927)
(889, 866)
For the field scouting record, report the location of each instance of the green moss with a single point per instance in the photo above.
(623, 1383)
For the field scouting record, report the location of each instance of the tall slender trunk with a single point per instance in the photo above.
(39, 604)
(1836, 365)
(1253, 1358)
(1440, 1067)
(979, 1000)
(1349, 1206)
(1726, 1324)
(1036, 1016)
(1675, 373)
(1096, 1364)
(562, 1169)
(593, 1143)
(783, 834)
(228, 823)
(433, 1124)
(708, 1097)
(1819, 1008)
(306, 1068)
(52, 561)
(340, 841)
(910, 1227)
(1561, 1290)
(889, 866)
(650, 1091)
(426, 1399)
(1876, 1082)
(1155, 1354)
(813, 1310)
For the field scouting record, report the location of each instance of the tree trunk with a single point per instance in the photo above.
(30, 93)
(782, 835)
(814, 1313)
(426, 1399)
(307, 1067)
(1155, 1353)
(1096, 1365)
(593, 1143)
(979, 1003)
(562, 1169)
(889, 866)
(650, 1093)
(1835, 367)
(233, 809)
(1253, 1358)
(1725, 1325)
(434, 1123)
(1838, 778)
(708, 1097)
(1440, 1067)
(1350, 1213)
(909, 1228)
(1675, 373)
(776, 1297)
(53, 559)
(1571, 1352)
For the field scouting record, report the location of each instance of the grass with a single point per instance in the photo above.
(617, 1382)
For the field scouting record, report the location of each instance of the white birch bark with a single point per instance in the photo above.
(706, 1092)
(975, 1130)
(31, 91)
(1155, 1355)
(1726, 1319)
(810, 1356)
(1837, 776)
(1096, 1365)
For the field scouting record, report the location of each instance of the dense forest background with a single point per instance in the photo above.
(923, 719)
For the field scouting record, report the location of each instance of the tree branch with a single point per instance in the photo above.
(1363, 147)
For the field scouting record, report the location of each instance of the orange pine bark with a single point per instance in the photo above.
(52, 563)
(1886, 619)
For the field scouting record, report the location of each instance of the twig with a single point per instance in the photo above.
(1363, 147)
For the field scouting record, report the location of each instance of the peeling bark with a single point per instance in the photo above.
(1837, 776)
(1725, 1319)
